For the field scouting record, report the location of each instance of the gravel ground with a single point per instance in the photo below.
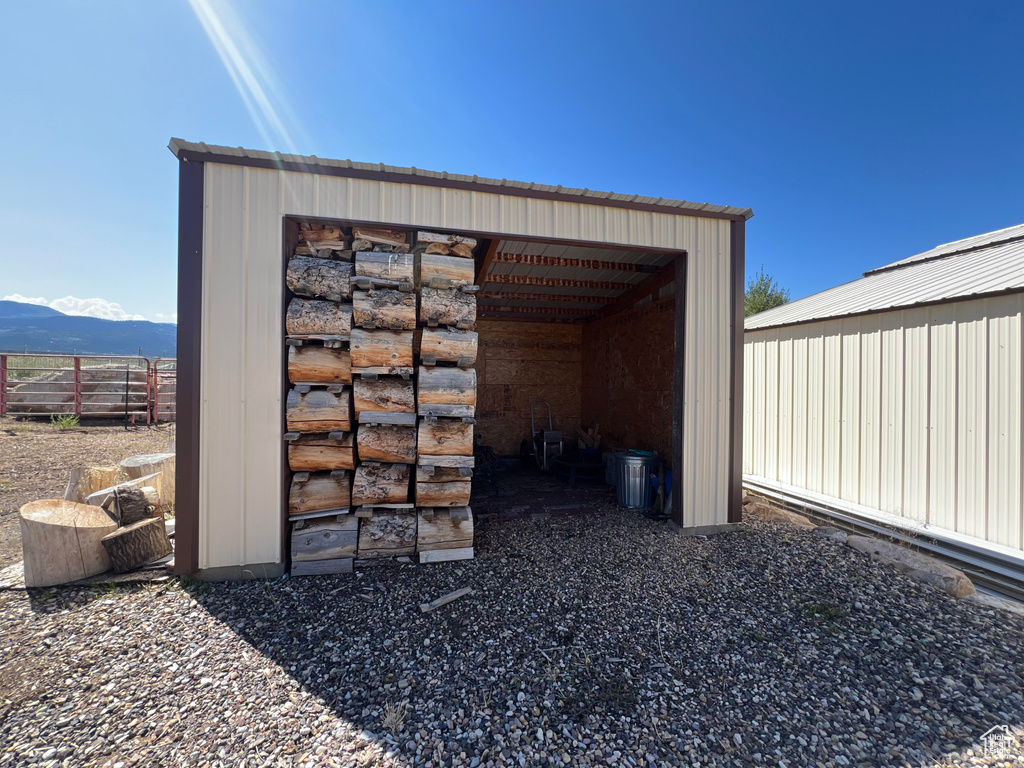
(36, 460)
(598, 639)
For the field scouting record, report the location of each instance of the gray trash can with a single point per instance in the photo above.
(611, 467)
(633, 489)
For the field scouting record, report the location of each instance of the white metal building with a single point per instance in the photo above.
(897, 397)
(234, 205)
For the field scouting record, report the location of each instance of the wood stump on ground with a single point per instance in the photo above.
(60, 541)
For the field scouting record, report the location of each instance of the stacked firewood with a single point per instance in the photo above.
(358, 425)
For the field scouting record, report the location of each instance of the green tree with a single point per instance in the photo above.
(763, 293)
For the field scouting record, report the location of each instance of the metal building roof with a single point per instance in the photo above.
(982, 265)
(312, 162)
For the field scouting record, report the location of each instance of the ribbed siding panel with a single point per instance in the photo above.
(241, 445)
(919, 413)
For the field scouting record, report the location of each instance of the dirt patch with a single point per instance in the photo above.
(36, 457)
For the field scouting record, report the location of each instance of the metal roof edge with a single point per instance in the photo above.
(185, 151)
(939, 256)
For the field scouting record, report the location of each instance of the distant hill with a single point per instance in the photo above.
(34, 328)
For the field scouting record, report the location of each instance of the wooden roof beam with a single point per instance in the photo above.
(649, 287)
(561, 298)
(485, 262)
(554, 282)
(533, 260)
(533, 310)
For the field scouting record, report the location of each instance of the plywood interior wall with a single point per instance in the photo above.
(521, 361)
(627, 377)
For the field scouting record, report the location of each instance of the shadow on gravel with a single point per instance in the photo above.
(606, 635)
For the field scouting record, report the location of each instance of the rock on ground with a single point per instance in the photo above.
(601, 640)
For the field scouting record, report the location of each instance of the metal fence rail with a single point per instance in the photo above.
(90, 386)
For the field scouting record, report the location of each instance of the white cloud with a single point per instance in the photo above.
(69, 305)
(171, 318)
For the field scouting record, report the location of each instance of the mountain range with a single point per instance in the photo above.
(35, 328)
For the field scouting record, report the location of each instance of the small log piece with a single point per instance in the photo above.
(319, 410)
(137, 544)
(447, 306)
(376, 349)
(380, 484)
(321, 235)
(131, 505)
(396, 267)
(438, 474)
(384, 308)
(386, 442)
(450, 346)
(316, 491)
(387, 534)
(443, 494)
(309, 317)
(382, 236)
(445, 271)
(444, 437)
(146, 464)
(87, 480)
(442, 529)
(309, 276)
(61, 541)
(325, 539)
(316, 452)
(313, 363)
(322, 567)
(391, 395)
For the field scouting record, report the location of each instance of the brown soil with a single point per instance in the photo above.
(36, 458)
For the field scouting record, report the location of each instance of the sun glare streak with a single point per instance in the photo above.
(249, 72)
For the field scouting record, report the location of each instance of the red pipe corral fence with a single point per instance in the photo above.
(136, 389)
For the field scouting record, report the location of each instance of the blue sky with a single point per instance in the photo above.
(858, 133)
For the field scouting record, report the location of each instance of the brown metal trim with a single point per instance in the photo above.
(485, 262)
(648, 287)
(431, 181)
(678, 387)
(189, 350)
(737, 243)
(535, 260)
(884, 310)
(289, 239)
(554, 298)
(556, 282)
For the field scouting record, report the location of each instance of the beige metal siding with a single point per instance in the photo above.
(241, 447)
(915, 412)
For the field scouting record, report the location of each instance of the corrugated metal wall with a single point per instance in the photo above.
(240, 474)
(915, 413)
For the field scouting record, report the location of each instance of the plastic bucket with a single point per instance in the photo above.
(633, 489)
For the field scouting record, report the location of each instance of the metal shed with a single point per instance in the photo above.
(580, 268)
(896, 398)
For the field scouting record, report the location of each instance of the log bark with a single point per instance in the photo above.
(444, 437)
(146, 464)
(325, 539)
(319, 411)
(387, 535)
(320, 235)
(310, 276)
(88, 480)
(444, 474)
(440, 529)
(380, 484)
(449, 346)
(137, 544)
(443, 494)
(390, 395)
(445, 271)
(310, 453)
(381, 236)
(320, 365)
(424, 237)
(452, 386)
(322, 567)
(314, 492)
(384, 308)
(61, 541)
(386, 442)
(375, 349)
(132, 505)
(309, 317)
(447, 306)
(397, 267)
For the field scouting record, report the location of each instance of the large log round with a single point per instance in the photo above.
(60, 541)
(308, 317)
(310, 276)
(147, 464)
